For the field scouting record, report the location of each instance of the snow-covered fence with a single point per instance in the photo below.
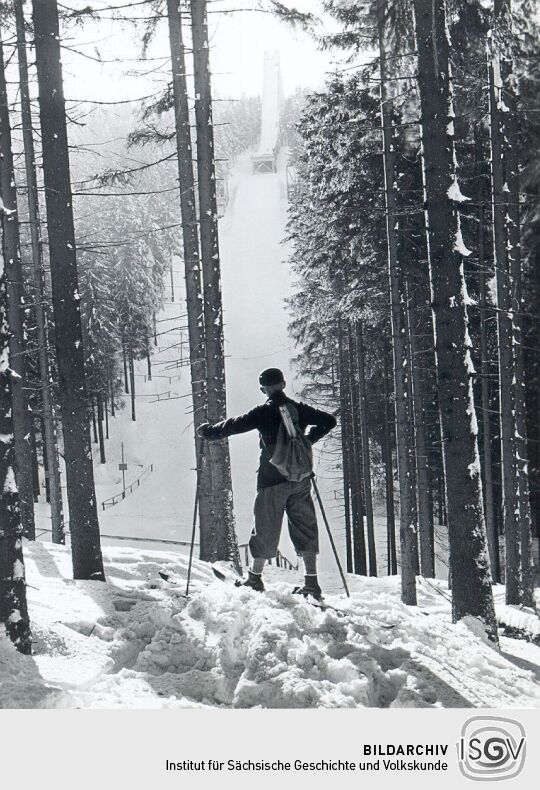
(114, 500)
(168, 396)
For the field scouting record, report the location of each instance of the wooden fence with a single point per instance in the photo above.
(114, 500)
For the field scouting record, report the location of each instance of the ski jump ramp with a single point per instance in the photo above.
(265, 158)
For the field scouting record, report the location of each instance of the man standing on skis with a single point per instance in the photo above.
(277, 495)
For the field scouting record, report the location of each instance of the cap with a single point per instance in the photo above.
(271, 376)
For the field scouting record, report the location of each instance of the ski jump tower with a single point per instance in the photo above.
(265, 159)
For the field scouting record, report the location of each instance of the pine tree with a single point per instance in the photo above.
(13, 606)
(366, 456)
(194, 304)
(83, 518)
(388, 467)
(507, 246)
(488, 484)
(38, 270)
(17, 303)
(226, 544)
(469, 563)
(404, 432)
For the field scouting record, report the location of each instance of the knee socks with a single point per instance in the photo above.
(257, 565)
(310, 563)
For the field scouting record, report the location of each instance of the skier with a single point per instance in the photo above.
(276, 495)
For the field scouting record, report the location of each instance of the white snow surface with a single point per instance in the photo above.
(136, 642)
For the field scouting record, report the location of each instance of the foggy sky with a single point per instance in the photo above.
(238, 42)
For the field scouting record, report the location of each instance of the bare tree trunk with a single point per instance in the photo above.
(345, 435)
(99, 398)
(92, 405)
(469, 562)
(355, 444)
(13, 606)
(45, 462)
(113, 407)
(388, 466)
(226, 544)
(346, 495)
(125, 363)
(106, 409)
(132, 381)
(513, 247)
(148, 360)
(535, 400)
(83, 518)
(404, 439)
(12, 258)
(38, 271)
(489, 504)
(364, 419)
(207, 513)
(505, 331)
(425, 525)
(35, 465)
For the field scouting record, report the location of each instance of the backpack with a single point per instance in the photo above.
(292, 455)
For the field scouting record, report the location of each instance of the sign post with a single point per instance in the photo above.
(123, 467)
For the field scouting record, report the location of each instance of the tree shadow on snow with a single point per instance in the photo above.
(22, 685)
(522, 663)
(407, 682)
(46, 564)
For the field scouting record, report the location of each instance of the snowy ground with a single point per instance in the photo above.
(135, 642)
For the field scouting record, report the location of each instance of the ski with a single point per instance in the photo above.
(171, 578)
(223, 574)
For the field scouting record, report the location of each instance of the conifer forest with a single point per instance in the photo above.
(370, 225)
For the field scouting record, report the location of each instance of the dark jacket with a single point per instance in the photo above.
(266, 419)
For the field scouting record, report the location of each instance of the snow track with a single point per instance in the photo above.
(136, 642)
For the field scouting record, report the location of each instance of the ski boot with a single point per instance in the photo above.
(310, 588)
(254, 581)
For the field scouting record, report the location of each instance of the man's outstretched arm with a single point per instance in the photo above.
(241, 424)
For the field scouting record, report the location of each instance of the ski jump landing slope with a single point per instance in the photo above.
(256, 283)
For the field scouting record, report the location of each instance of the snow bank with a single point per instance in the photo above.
(136, 642)
(520, 621)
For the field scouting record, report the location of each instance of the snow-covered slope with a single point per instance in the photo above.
(256, 283)
(162, 436)
(136, 642)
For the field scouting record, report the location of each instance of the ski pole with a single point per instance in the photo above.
(198, 460)
(319, 500)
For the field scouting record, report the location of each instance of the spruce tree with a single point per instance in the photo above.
(83, 518)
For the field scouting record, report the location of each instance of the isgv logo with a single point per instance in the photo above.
(491, 748)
